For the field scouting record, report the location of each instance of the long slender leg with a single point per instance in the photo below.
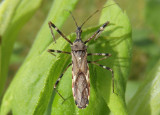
(100, 54)
(107, 69)
(57, 51)
(59, 80)
(97, 32)
(52, 25)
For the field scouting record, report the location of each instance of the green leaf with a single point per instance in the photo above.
(131, 88)
(13, 15)
(116, 39)
(146, 99)
(120, 46)
(28, 92)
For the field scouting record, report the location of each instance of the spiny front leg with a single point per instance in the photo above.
(97, 32)
(52, 25)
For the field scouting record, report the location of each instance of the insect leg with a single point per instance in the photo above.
(107, 68)
(100, 54)
(52, 25)
(57, 51)
(97, 32)
(59, 80)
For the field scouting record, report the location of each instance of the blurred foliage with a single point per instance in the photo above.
(146, 99)
(144, 16)
(152, 19)
(13, 15)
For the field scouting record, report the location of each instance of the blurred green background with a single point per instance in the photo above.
(144, 17)
(145, 22)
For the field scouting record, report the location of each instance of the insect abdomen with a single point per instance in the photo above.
(81, 91)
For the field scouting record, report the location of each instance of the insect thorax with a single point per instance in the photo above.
(79, 55)
(78, 45)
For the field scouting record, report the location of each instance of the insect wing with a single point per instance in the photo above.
(81, 90)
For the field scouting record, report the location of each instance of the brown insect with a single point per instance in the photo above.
(80, 69)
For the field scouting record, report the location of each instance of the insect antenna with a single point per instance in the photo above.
(73, 18)
(95, 13)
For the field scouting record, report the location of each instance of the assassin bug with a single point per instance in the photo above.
(80, 69)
